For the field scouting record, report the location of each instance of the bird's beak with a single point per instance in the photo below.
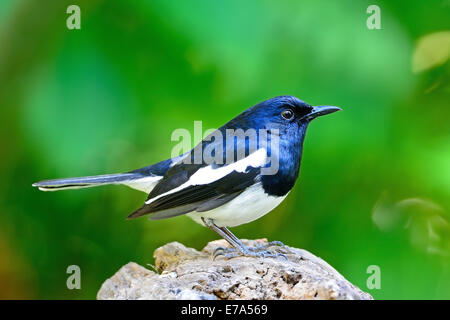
(318, 111)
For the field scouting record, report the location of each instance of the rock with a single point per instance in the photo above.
(186, 273)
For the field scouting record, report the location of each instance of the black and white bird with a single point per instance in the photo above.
(237, 174)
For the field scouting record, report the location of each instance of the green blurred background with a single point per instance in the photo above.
(374, 187)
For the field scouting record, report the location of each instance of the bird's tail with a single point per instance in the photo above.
(86, 182)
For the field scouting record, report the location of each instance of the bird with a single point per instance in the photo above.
(235, 175)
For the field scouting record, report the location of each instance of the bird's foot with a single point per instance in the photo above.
(256, 252)
(270, 244)
(263, 250)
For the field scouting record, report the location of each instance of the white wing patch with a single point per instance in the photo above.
(144, 184)
(207, 174)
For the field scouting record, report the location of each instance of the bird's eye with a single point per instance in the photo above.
(287, 114)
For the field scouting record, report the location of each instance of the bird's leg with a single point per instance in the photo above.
(260, 246)
(228, 236)
(237, 244)
(231, 235)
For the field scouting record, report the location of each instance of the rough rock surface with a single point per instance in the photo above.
(186, 273)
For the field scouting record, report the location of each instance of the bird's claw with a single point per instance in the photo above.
(226, 252)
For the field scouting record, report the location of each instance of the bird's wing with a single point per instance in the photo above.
(191, 187)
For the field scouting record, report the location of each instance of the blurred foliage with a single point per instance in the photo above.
(374, 187)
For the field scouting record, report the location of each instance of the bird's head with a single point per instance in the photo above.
(282, 121)
(285, 113)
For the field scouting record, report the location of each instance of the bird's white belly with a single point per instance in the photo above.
(250, 205)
